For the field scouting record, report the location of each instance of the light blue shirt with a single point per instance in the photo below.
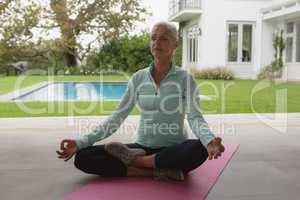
(162, 108)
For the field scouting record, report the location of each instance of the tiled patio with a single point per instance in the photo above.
(266, 167)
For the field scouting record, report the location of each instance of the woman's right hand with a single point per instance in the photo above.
(67, 149)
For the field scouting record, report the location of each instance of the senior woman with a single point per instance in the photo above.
(164, 94)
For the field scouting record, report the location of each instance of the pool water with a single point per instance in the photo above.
(76, 91)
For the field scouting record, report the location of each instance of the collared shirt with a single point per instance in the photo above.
(163, 109)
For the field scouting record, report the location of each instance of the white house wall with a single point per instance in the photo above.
(267, 53)
(212, 47)
(214, 31)
(291, 72)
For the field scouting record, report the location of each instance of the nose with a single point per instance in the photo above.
(156, 42)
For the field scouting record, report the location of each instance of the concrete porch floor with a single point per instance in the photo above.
(266, 166)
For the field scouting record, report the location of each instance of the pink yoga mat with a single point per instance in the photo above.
(196, 187)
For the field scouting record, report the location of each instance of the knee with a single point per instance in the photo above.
(197, 156)
(202, 149)
(83, 163)
(195, 145)
(79, 160)
(199, 151)
(102, 164)
(83, 157)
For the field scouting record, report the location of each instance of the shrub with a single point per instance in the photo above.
(216, 73)
(270, 72)
(274, 70)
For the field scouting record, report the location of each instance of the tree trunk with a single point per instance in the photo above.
(67, 29)
(70, 56)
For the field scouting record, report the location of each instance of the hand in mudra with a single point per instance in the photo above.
(67, 149)
(215, 148)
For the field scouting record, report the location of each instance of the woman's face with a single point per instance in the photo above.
(162, 44)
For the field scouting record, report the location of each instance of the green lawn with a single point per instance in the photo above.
(40, 109)
(230, 97)
(236, 96)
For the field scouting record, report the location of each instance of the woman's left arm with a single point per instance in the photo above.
(194, 116)
(196, 121)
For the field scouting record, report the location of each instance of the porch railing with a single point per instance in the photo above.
(175, 6)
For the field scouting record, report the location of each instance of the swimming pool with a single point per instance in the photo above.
(76, 91)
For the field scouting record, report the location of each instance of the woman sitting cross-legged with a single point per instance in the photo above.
(165, 94)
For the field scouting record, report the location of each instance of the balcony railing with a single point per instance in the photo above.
(175, 6)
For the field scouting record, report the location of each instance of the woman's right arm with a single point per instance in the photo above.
(114, 121)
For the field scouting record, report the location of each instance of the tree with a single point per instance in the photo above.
(17, 42)
(129, 54)
(76, 19)
(279, 46)
(101, 18)
(15, 31)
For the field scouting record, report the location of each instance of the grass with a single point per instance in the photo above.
(249, 96)
(230, 97)
(42, 109)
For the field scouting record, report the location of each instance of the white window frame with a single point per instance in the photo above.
(193, 58)
(240, 42)
(294, 45)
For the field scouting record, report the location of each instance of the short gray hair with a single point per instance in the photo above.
(171, 28)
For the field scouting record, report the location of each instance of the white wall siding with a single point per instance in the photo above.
(212, 44)
(267, 53)
(291, 72)
(245, 71)
(214, 37)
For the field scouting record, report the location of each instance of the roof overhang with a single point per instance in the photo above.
(289, 9)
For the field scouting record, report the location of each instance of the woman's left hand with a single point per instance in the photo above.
(215, 148)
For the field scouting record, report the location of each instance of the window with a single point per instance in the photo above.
(290, 27)
(192, 44)
(232, 42)
(292, 50)
(289, 49)
(247, 43)
(240, 42)
(298, 42)
(289, 42)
